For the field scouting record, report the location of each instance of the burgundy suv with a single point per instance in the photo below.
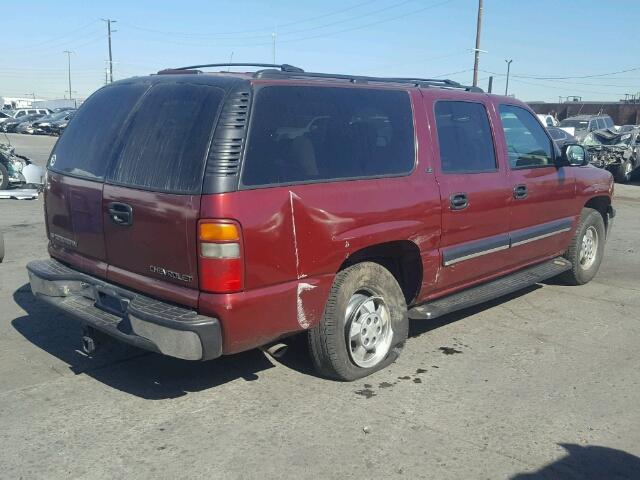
(216, 212)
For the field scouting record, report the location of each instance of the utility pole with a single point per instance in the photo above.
(273, 36)
(68, 52)
(506, 87)
(109, 22)
(477, 49)
(490, 89)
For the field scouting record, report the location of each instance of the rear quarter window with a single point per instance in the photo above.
(309, 134)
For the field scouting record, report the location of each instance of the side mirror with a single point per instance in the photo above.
(574, 155)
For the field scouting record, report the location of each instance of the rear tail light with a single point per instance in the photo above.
(220, 256)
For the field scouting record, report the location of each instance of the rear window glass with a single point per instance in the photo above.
(165, 144)
(464, 136)
(301, 134)
(87, 144)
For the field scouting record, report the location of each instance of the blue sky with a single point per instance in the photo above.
(548, 40)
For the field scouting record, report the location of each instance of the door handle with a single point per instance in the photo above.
(120, 213)
(520, 192)
(458, 201)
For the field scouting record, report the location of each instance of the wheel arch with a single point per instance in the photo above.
(401, 257)
(601, 204)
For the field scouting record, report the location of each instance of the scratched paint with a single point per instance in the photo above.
(295, 235)
(303, 320)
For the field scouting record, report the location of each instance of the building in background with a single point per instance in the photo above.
(10, 103)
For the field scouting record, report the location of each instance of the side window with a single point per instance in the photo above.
(549, 122)
(20, 114)
(30, 112)
(608, 122)
(601, 124)
(302, 134)
(528, 144)
(464, 136)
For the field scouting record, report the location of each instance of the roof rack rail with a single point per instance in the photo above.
(418, 82)
(282, 67)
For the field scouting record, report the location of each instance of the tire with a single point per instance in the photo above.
(584, 255)
(367, 304)
(4, 177)
(624, 171)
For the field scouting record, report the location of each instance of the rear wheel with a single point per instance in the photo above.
(364, 326)
(586, 248)
(624, 171)
(4, 177)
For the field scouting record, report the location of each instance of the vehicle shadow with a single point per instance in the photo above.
(138, 372)
(588, 463)
(155, 377)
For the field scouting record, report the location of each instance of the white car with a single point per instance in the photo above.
(547, 120)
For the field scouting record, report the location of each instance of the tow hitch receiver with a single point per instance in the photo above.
(89, 340)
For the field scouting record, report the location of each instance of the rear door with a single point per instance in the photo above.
(76, 171)
(542, 206)
(151, 198)
(474, 193)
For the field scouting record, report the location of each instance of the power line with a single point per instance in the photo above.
(267, 30)
(346, 20)
(537, 77)
(413, 12)
(321, 35)
(57, 38)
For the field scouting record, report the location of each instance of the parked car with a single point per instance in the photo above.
(227, 234)
(547, 120)
(13, 124)
(44, 125)
(615, 150)
(625, 128)
(18, 170)
(58, 126)
(580, 125)
(5, 115)
(560, 136)
(21, 112)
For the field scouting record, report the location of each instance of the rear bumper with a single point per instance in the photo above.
(124, 314)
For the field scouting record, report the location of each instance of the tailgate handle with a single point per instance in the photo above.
(120, 213)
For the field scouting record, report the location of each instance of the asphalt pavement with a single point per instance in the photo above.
(543, 384)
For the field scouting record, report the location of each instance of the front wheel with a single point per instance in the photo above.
(586, 248)
(364, 326)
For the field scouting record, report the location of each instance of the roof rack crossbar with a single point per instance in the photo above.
(418, 82)
(282, 67)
